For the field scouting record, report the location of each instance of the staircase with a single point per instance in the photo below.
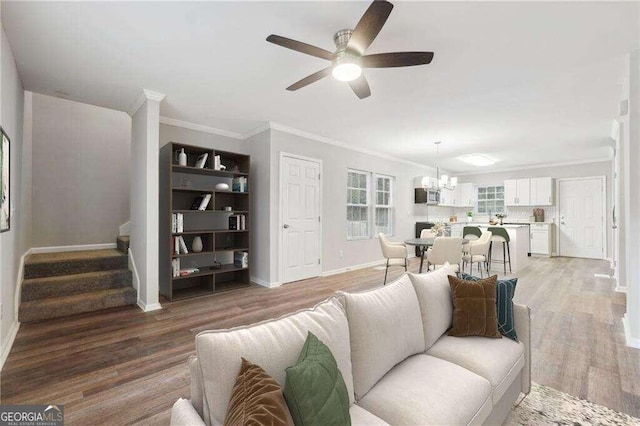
(61, 284)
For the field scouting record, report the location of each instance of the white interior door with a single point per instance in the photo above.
(300, 218)
(581, 217)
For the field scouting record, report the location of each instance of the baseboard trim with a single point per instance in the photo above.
(631, 341)
(149, 308)
(353, 268)
(134, 271)
(19, 277)
(57, 249)
(264, 283)
(620, 289)
(8, 343)
(125, 229)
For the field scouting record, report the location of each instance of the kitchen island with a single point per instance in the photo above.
(519, 245)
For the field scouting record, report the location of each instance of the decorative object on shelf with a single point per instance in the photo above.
(182, 157)
(196, 245)
(5, 184)
(222, 187)
(438, 228)
(441, 182)
(470, 216)
(216, 162)
(227, 208)
(501, 216)
(539, 214)
(453, 219)
(186, 183)
(241, 259)
(239, 184)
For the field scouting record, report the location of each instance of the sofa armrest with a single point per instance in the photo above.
(522, 317)
(183, 414)
(197, 388)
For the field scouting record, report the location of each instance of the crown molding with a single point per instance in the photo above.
(256, 131)
(144, 96)
(200, 128)
(536, 166)
(329, 141)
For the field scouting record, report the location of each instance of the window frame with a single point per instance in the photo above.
(478, 200)
(390, 207)
(367, 205)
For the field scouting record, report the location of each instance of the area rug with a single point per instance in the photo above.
(547, 406)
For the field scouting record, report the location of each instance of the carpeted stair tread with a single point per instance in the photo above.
(55, 307)
(61, 285)
(76, 262)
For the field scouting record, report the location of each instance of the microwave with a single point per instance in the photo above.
(427, 196)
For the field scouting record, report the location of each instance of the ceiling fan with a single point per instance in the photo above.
(349, 58)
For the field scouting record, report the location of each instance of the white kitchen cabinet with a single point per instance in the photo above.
(542, 191)
(541, 234)
(464, 196)
(517, 192)
(446, 198)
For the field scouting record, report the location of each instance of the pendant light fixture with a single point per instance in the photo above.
(442, 182)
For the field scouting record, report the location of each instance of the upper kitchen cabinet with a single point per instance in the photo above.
(461, 196)
(541, 191)
(517, 192)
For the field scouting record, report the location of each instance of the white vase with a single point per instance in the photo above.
(469, 218)
(182, 158)
(196, 246)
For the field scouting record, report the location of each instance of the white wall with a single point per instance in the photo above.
(81, 180)
(13, 243)
(601, 168)
(336, 160)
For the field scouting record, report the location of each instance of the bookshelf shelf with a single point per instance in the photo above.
(180, 188)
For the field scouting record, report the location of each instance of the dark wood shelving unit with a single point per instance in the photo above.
(179, 187)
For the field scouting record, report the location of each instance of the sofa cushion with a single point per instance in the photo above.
(434, 296)
(274, 345)
(505, 290)
(315, 391)
(257, 399)
(497, 360)
(361, 417)
(385, 328)
(424, 390)
(474, 307)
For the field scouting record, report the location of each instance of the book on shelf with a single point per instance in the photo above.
(243, 222)
(202, 160)
(205, 202)
(175, 267)
(174, 223)
(179, 223)
(183, 245)
(241, 259)
(176, 245)
(188, 271)
(216, 162)
(196, 203)
(238, 222)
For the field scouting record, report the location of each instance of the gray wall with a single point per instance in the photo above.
(602, 168)
(335, 162)
(13, 243)
(81, 169)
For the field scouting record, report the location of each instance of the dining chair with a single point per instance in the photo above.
(470, 233)
(478, 253)
(395, 253)
(445, 249)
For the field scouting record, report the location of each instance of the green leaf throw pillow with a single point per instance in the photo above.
(314, 388)
(505, 289)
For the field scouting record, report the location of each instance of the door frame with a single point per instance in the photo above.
(603, 181)
(284, 154)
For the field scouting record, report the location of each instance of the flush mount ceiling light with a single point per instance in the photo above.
(479, 160)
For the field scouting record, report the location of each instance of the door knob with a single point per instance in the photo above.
(285, 226)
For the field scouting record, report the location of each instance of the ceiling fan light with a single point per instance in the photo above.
(346, 68)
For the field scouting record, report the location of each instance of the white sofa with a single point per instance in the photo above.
(391, 346)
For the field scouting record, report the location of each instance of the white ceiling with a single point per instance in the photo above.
(527, 83)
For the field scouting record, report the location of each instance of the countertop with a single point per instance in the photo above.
(486, 224)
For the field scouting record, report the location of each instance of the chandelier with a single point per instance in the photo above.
(441, 182)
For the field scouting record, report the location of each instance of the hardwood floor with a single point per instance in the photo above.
(127, 367)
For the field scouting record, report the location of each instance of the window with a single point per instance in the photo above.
(369, 207)
(490, 199)
(358, 205)
(384, 205)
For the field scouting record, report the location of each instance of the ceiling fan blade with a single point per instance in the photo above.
(310, 79)
(301, 47)
(369, 26)
(397, 59)
(360, 87)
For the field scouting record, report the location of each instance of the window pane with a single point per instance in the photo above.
(491, 196)
(482, 196)
(482, 190)
(491, 190)
(380, 184)
(387, 184)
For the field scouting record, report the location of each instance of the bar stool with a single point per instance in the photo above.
(500, 235)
